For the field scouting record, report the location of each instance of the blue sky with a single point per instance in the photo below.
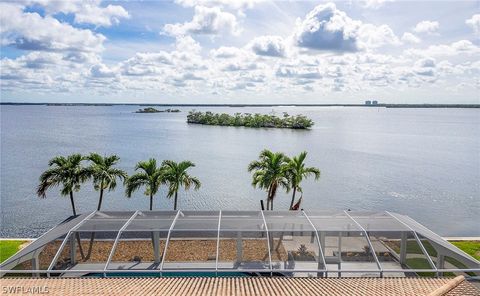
(244, 51)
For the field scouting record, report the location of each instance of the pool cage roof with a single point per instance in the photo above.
(289, 243)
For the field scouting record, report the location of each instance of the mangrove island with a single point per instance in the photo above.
(250, 120)
(153, 110)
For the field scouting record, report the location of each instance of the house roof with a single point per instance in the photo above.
(247, 286)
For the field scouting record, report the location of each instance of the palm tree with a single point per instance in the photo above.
(67, 172)
(297, 171)
(176, 176)
(104, 173)
(104, 177)
(149, 176)
(270, 172)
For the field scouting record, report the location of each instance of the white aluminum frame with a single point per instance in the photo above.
(369, 243)
(268, 233)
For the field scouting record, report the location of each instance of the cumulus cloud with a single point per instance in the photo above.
(461, 47)
(206, 21)
(87, 12)
(425, 67)
(474, 23)
(65, 57)
(30, 31)
(100, 16)
(327, 28)
(303, 75)
(428, 27)
(225, 52)
(237, 4)
(410, 38)
(102, 71)
(374, 4)
(273, 46)
(377, 36)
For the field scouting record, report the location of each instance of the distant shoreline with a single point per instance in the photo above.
(252, 105)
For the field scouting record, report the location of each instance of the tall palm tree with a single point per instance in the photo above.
(67, 172)
(104, 174)
(270, 172)
(176, 176)
(297, 172)
(149, 175)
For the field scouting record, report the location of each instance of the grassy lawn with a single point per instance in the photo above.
(413, 247)
(472, 248)
(8, 248)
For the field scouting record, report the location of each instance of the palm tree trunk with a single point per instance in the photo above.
(101, 197)
(272, 195)
(73, 203)
(77, 234)
(151, 202)
(92, 237)
(293, 197)
(175, 202)
(268, 197)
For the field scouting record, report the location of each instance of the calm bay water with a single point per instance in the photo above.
(424, 163)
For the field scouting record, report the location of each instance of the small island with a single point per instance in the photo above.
(153, 110)
(256, 120)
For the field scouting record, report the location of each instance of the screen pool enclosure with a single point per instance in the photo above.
(240, 243)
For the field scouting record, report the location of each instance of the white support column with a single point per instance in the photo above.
(403, 248)
(239, 247)
(168, 239)
(268, 241)
(320, 246)
(156, 246)
(35, 265)
(368, 241)
(218, 242)
(114, 247)
(339, 254)
(74, 228)
(440, 262)
(73, 250)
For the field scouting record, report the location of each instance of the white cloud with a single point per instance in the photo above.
(273, 46)
(327, 28)
(100, 16)
(232, 4)
(102, 71)
(410, 38)
(207, 21)
(474, 23)
(88, 12)
(428, 27)
(425, 67)
(377, 36)
(224, 52)
(30, 31)
(461, 47)
(186, 44)
(374, 4)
